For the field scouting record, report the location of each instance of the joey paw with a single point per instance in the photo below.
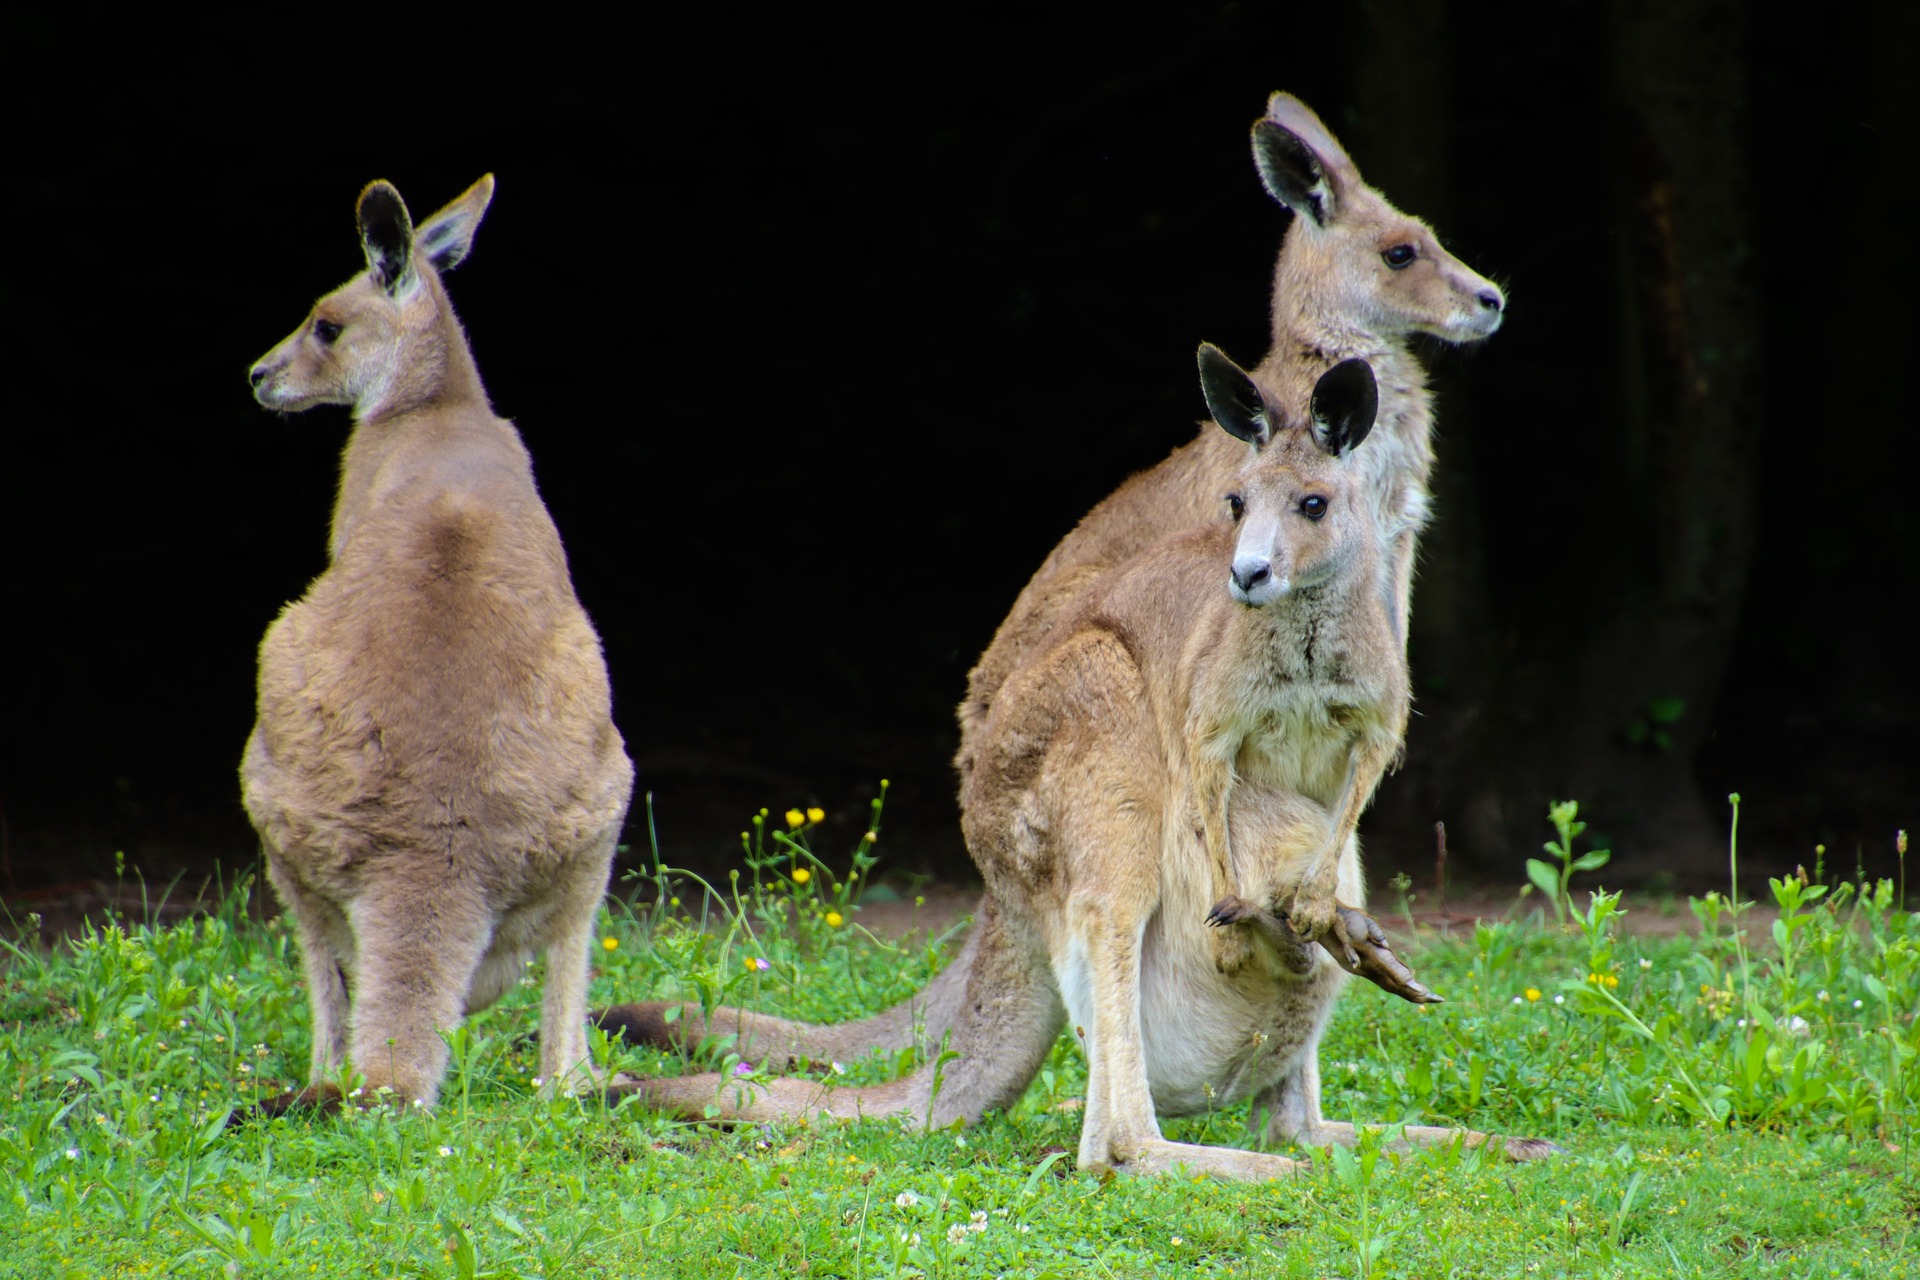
(1231, 909)
(1311, 915)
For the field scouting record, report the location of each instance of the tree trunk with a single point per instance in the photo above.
(1628, 652)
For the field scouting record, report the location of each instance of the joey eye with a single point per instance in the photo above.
(1400, 255)
(326, 331)
(1236, 505)
(1313, 506)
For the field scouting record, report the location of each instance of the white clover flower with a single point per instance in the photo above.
(1519, 1000)
(1646, 964)
(1797, 1026)
(1024, 1228)
(956, 1233)
(1559, 999)
(905, 1200)
(445, 1152)
(1823, 997)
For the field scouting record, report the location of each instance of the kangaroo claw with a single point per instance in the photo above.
(1231, 909)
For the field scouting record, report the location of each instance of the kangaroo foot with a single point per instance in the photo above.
(1358, 945)
(324, 1099)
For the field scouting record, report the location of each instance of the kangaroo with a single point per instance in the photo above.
(434, 774)
(1094, 764)
(1355, 278)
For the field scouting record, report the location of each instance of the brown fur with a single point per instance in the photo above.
(1085, 813)
(434, 773)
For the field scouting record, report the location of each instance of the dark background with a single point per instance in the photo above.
(822, 333)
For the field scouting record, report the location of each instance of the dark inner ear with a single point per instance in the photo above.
(1345, 402)
(1232, 398)
(1290, 170)
(387, 233)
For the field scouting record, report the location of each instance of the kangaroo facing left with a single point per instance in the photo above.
(434, 772)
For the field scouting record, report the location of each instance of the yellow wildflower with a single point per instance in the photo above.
(1533, 993)
(870, 837)
(816, 815)
(1613, 980)
(795, 818)
(801, 875)
(610, 943)
(835, 919)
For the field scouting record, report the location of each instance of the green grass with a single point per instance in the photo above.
(1731, 1105)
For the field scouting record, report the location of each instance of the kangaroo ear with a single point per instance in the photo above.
(1232, 398)
(386, 232)
(447, 236)
(1345, 401)
(1300, 163)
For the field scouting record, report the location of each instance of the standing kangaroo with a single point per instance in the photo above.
(1355, 278)
(1093, 766)
(434, 773)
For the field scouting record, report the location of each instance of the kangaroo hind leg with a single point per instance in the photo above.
(418, 953)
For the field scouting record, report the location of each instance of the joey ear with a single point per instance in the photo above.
(1232, 398)
(1345, 402)
(447, 236)
(386, 232)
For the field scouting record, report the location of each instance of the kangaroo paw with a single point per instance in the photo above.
(1358, 945)
(1295, 952)
(1232, 909)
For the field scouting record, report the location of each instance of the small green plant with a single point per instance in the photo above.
(1556, 882)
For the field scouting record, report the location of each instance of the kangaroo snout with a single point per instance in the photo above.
(1254, 583)
(1491, 300)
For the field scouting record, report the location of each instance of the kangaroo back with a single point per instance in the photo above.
(434, 770)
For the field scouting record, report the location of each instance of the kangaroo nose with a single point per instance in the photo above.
(256, 376)
(1252, 574)
(1491, 299)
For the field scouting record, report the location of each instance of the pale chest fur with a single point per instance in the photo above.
(1289, 721)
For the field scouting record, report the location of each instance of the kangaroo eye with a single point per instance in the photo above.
(1236, 505)
(1400, 255)
(1313, 506)
(326, 331)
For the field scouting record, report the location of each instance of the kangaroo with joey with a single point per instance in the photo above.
(1265, 642)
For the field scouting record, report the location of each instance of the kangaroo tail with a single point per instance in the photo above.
(921, 1019)
(717, 1097)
